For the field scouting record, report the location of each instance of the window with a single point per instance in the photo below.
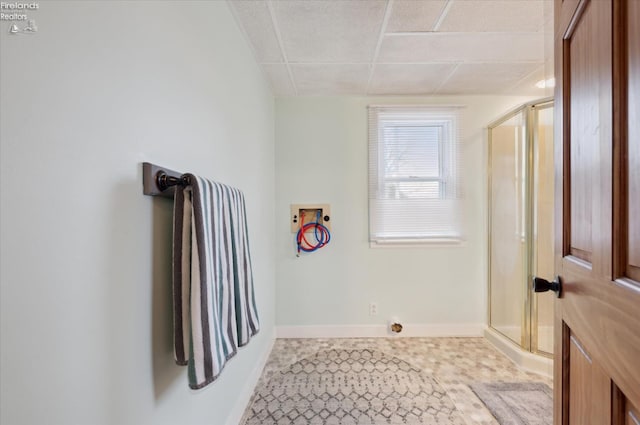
(414, 194)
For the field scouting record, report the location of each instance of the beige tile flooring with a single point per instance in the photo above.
(453, 362)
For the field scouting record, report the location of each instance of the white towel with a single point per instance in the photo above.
(213, 297)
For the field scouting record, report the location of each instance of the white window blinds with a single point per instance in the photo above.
(414, 164)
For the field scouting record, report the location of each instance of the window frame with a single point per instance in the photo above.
(445, 154)
(447, 120)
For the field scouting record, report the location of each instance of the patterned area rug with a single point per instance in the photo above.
(521, 403)
(351, 387)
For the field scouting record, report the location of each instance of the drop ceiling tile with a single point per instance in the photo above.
(485, 78)
(411, 15)
(329, 31)
(494, 16)
(256, 21)
(279, 79)
(462, 47)
(408, 78)
(330, 79)
(330, 44)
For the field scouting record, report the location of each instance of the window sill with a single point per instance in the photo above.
(418, 243)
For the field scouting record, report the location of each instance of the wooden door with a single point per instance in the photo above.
(597, 317)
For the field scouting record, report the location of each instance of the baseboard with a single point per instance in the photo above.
(381, 331)
(244, 397)
(523, 359)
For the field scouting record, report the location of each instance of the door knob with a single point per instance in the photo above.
(543, 285)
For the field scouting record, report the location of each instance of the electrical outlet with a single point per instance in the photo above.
(373, 309)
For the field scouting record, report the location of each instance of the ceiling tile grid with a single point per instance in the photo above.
(398, 47)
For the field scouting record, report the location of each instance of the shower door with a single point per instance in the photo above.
(542, 221)
(521, 244)
(507, 241)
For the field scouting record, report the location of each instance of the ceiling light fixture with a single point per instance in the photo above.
(543, 84)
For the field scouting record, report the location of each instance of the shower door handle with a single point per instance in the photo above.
(543, 285)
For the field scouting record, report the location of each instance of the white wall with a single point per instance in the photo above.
(321, 157)
(85, 303)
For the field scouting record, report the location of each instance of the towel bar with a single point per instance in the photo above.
(160, 181)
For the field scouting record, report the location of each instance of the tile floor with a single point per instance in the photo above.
(453, 362)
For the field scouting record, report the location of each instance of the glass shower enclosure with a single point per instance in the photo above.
(521, 245)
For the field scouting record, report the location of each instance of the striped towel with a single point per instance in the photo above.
(213, 300)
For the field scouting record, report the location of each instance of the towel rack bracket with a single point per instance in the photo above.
(159, 181)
